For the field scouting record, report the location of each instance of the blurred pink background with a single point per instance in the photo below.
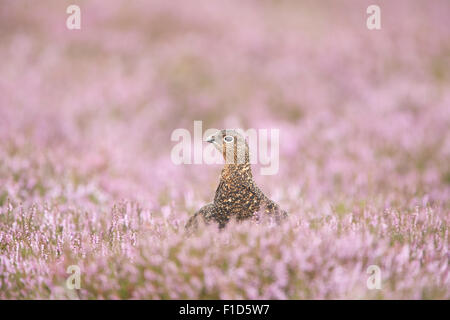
(86, 117)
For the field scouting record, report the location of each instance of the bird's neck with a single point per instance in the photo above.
(237, 165)
(237, 172)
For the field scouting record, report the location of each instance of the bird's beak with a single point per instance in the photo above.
(210, 139)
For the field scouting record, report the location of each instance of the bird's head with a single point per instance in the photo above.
(232, 145)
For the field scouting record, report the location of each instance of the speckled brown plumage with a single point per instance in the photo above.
(237, 195)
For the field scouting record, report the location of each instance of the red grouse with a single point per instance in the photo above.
(237, 195)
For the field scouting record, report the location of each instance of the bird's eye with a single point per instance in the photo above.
(228, 139)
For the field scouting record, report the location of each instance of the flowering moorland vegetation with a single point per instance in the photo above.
(86, 177)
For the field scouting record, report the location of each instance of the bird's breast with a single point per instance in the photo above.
(240, 200)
